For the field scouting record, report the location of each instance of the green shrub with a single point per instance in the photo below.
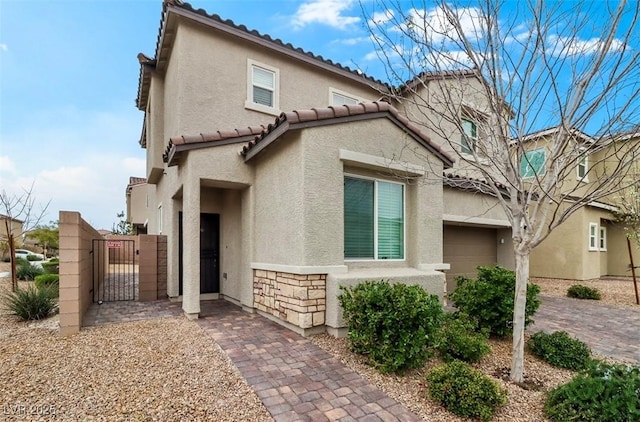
(26, 271)
(600, 393)
(465, 391)
(51, 267)
(457, 340)
(30, 303)
(579, 291)
(560, 350)
(55, 260)
(490, 299)
(49, 281)
(33, 258)
(394, 325)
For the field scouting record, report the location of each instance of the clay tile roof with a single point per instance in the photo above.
(137, 180)
(213, 138)
(473, 184)
(343, 111)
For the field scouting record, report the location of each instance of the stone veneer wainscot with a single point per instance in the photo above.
(299, 299)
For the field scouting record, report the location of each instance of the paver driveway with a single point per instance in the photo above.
(608, 330)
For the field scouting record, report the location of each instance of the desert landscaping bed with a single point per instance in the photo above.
(615, 291)
(169, 369)
(158, 370)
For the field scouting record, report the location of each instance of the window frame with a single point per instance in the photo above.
(593, 236)
(602, 238)
(335, 91)
(527, 163)
(375, 257)
(583, 162)
(464, 136)
(274, 109)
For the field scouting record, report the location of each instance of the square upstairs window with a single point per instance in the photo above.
(532, 163)
(337, 97)
(469, 141)
(262, 88)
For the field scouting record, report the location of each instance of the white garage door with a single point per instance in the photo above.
(467, 247)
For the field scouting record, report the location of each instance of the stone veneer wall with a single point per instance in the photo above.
(297, 299)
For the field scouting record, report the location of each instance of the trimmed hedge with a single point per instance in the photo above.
(560, 350)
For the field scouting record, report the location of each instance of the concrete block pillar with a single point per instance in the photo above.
(191, 248)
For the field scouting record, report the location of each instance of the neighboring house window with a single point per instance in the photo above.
(583, 167)
(469, 136)
(603, 238)
(262, 88)
(593, 236)
(159, 219)
(532, 163)
(337, 97)
(373, 219)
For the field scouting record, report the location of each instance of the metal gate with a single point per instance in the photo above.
(114, 270)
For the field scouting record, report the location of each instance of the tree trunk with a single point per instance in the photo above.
(522, 278)
(12, 252)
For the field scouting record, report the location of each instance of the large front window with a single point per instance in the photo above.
(373, 219)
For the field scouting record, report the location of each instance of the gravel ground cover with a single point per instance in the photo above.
(615, 291)
(157, 370)
(523, 404)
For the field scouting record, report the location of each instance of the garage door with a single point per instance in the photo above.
(467, 247)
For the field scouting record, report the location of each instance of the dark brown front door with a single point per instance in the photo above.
(209, 253)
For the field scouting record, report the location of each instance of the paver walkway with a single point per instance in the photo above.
(126, 311)
(608, 330)
(295, 379)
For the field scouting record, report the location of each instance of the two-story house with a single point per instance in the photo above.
(590, 243)
(278, 176)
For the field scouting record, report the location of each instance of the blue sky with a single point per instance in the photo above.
(68, 80)
(69, 76)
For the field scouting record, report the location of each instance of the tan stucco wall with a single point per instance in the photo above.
(477, 208)
(137, 199)
(565, 253)
(618, 252)
(203, 101)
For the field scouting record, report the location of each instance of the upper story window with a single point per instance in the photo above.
(337, 97)
(583, 166)
(373, 219)
(532, 163)
(469, 140)
(262, 88)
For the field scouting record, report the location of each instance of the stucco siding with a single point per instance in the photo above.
(217, 75)
(475, 207)
(279, 204)
(324, 193)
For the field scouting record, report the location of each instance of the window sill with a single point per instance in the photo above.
(583, 179)
(262, 108)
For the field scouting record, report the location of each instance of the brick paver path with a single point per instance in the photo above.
(608, 330)
(296, 380)
(126, 311)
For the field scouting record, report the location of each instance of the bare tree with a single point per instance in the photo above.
(19, 207)
(524, 93)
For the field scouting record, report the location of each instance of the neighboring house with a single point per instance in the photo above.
(15, 227)
(590, 243)
(274, 209)
(137, 204)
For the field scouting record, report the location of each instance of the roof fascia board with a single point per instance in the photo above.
(175, 150)
(271, 46)
(267, 140)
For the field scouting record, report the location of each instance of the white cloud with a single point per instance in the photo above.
(381, 18)
(6, 165)
(436, 24)
(4, 47)
(351, 41)
(572, 46)
(326, 12)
